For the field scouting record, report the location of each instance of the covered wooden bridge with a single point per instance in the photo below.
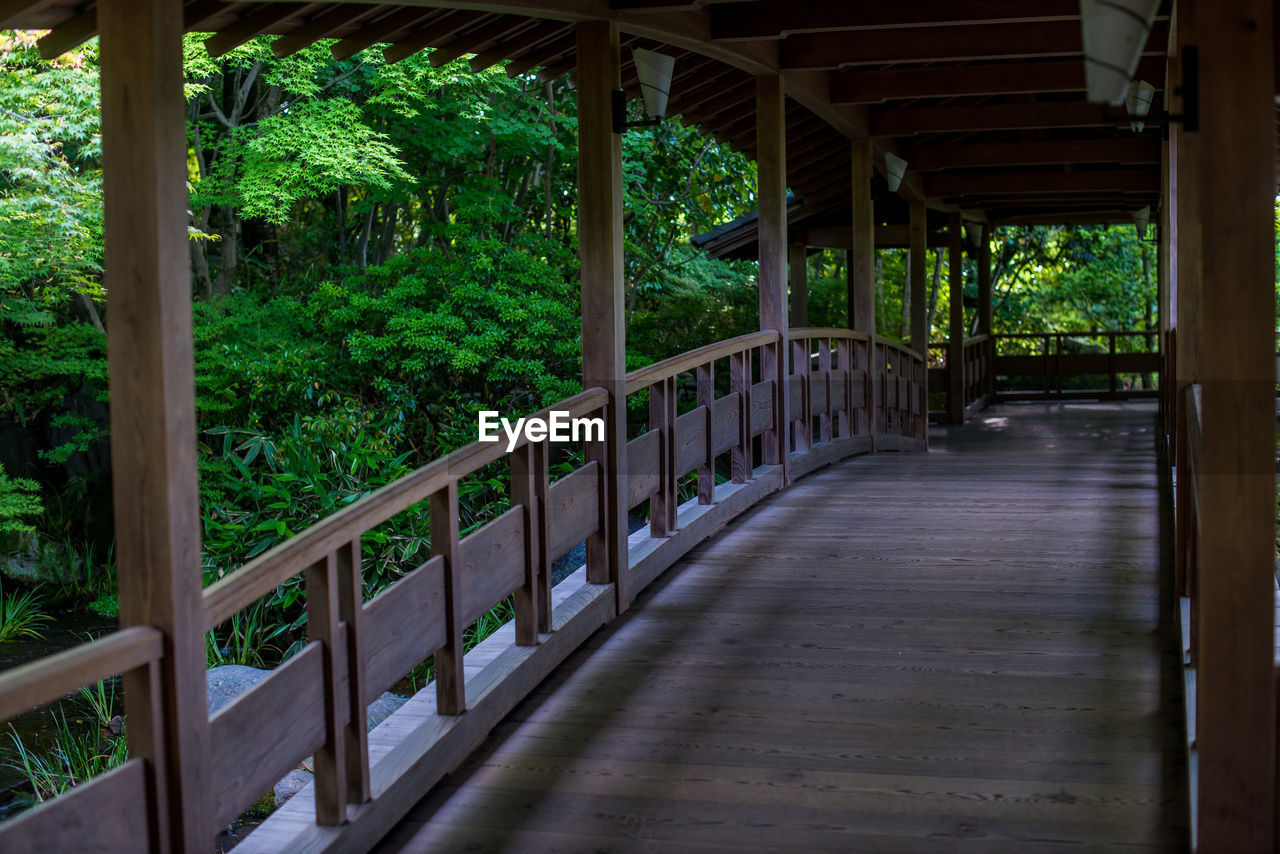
(979, 648)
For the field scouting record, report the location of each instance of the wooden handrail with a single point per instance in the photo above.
(659, 371)
(826, 332)
(899, 346)
(975, 339)
(256, 578)
(46, 679)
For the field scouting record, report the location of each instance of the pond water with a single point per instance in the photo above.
(36, 727)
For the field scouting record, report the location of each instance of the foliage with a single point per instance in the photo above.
(19, 502)
(21, 615)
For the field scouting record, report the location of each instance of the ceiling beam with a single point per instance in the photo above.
(873, 85)
(777, 18)
(1024, 183)
(1130, 151)
(943, 44)
(904, 121)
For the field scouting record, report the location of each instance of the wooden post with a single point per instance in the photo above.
(707, 398)
(917, 235)
(603, 318)
(984, 311)
(1236, 706)
(451, 688)
(771, 198)
(955, 344)
(797, 269)
(153, 420)
(1185, 241)
(862, 267)
(528, 489)
(918, 243)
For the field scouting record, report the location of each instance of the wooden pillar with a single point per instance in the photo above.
(984, 309)
(862, 251)
(1185, 239)
(1236, 708)
(797, 269)
(603, 319)
(917, 236)
(862, 271)
(153, 420)
(955, 343)
(771, 196)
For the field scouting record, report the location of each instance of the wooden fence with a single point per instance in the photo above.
(846, 393)
(1049, 366)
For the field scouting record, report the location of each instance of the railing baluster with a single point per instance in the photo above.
(824, 365)
(740, 382)
(324, 625)
(844, 357)
(525, 492)
(707, 398)
(350, 611)
(662, 417)
(451, 689)
(804, 418)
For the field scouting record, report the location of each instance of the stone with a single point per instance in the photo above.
(229, 681)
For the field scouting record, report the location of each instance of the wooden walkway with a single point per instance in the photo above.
(960, 651)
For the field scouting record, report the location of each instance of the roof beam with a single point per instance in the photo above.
(871, 86)
(254, 24)
(319, 27)
(427, 35)
(480, 37)
(514, 45)
(943, 44)
(778, 18)
(904, 121)
(1033, 183)
(1134, 150)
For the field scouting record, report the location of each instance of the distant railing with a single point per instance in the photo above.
(846, 393)
(1064, 365)
(976, 383)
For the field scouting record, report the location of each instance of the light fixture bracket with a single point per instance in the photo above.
(620, 123)
(1189, 91)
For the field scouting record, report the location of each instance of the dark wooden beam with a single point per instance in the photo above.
(819, 51)
(905, 121)
(543, 54)
(426, 36)
(478, 38)
(771, 196)
(603, 302)
(373, 32)
(230, 37)
(515, 45)
(778, 18)
(316, 28)
(1023, 183)
(1235, 595)
(1133, 150)
(153, 415)
(873, 85)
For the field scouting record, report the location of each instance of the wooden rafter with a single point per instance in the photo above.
(1131, 151)
(778, 18)
(942, 44)
(906, 121)
(873, 85)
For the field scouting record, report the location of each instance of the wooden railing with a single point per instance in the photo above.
(1045, 358)
(976, 384)
(847, 393)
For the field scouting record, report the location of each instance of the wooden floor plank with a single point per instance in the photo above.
(959, 651)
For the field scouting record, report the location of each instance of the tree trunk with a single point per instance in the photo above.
(364, 238)
(228, 244)
(933, 292)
